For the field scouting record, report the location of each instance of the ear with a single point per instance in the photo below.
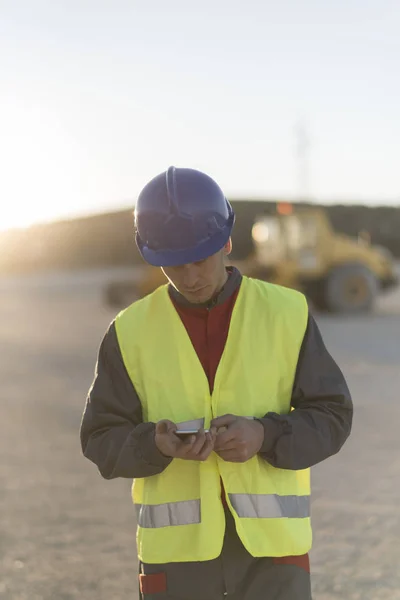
(228, 247)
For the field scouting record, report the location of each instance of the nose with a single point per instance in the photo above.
(190, 276)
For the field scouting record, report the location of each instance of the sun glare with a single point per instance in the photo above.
(11, 219)
(40, 167)
(20, 215)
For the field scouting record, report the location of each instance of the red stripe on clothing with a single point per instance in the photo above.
(154, 583)
(302, 561)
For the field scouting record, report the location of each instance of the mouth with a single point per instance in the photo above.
(196, 291)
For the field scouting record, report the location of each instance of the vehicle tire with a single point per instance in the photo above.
(315, 294)
(350, 289)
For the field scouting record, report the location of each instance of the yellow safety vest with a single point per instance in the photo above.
(180, 513)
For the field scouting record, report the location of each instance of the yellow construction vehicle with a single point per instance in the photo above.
(298, 248)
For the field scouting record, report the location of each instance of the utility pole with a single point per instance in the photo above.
(302, 148)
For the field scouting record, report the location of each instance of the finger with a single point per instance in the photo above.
(200, 440)
(223, 421)
(213, 435)
(165, 426)
(207, 448)
(183, 449)
(204, 451)
(186, 445)
(224, 438)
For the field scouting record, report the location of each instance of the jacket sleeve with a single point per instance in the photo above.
(112, 433)
(322, 421)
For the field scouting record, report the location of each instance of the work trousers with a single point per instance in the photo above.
(234, 575)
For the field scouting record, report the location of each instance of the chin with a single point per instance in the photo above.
(199, 298)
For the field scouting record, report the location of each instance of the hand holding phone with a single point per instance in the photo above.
(187, 444)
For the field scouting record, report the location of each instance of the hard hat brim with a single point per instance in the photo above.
(184, 256)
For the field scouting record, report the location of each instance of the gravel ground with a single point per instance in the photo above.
(67, 534)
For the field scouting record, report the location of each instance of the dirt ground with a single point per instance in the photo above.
(66, 534)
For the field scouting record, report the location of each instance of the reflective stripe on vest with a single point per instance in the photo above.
(167, 515)
(250, 506)
(270, 506)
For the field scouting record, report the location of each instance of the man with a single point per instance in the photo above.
(224, 512)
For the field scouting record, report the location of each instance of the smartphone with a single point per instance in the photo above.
(186, 432)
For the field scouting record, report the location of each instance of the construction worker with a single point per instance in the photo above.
(223, 512)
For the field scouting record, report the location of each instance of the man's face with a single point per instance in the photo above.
(199, 282)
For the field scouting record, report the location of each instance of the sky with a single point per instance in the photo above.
(97, 97)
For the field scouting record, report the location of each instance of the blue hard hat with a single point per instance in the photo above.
(182, 216)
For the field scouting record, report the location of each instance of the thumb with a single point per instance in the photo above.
(223, 421)
(165, 426)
